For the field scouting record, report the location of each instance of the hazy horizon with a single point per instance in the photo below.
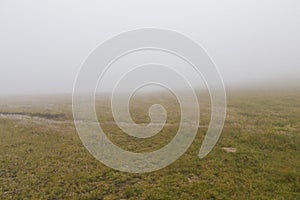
(43, 44)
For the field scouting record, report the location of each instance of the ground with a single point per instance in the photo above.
(257, 156)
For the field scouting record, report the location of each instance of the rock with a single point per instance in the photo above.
(229, 149)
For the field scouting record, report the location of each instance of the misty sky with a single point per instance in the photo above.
(43, 43)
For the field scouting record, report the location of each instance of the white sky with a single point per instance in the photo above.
(43, 43)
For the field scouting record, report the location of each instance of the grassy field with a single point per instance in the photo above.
(42, 156)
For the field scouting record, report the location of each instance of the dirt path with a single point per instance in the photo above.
(41, 120)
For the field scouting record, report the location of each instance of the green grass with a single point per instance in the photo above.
(48, 161)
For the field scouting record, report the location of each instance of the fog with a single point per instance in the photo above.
(44, 43)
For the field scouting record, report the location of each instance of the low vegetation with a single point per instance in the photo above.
(257, 156)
